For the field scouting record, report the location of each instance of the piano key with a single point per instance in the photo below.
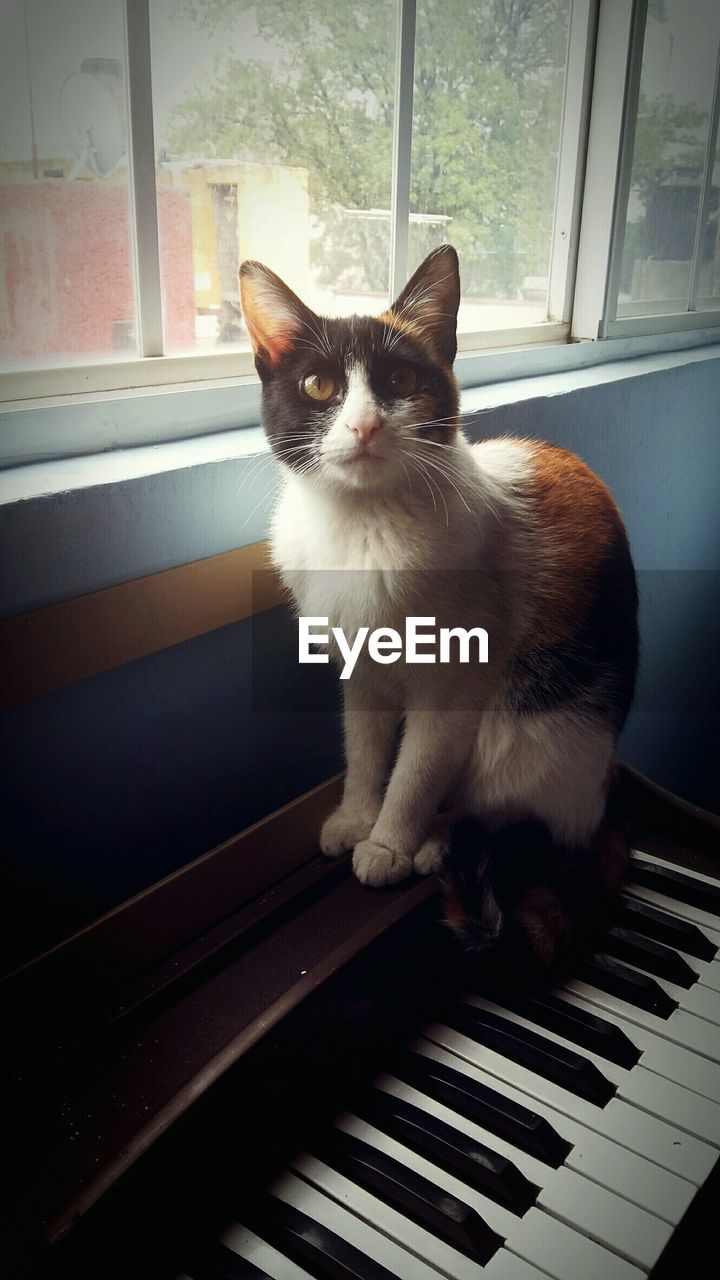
(452, 1220)
(331, 1242)
(683, 886)
(705, 920)
(633, 1233)
(588, 1030)
(664, 927)
(656, 1094)
(251, 1248)
(571, 1070)
(593, 1154)
(699, 999)
(541, 1240)
(523, 1128)
(660, 1142)
(708, 970)
(373, 1208)
(636, 988)
(648, 955)
(502, 1266)
(662, 1056)
(683, 1028)
(450, 1148)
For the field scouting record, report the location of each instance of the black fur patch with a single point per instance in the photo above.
(597, 664)
(340, 343)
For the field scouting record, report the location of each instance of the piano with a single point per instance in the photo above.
(413, 1113)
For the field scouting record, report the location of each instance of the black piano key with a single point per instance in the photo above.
(675, 884)
(555, 1014)
(635, 988)
(645, 953)
(664, 927)
(553, 1061)
(308, 1243)
(516, 1124)
(454, 1151)
(440, 1213)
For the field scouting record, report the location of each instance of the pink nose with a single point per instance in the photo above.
(365, 427)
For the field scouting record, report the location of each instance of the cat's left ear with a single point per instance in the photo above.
(274, 315)
(429, 303)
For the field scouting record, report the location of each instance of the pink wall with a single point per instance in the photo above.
(65, 260)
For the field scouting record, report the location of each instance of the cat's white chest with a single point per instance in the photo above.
(342, 561)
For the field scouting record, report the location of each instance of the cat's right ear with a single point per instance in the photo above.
(274, 315)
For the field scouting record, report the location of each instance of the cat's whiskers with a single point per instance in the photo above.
(418, 464)
(432, 462)
(261, 462)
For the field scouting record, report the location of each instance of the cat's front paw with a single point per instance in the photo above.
(428, 860)
(343, 830)
(374, 864)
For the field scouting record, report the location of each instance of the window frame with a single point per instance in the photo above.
(153, 367)
(616, 88)
(604, 56)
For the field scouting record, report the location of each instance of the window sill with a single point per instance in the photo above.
(76, 427)
(226, 416)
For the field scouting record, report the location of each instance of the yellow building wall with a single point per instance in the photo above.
(273, 221)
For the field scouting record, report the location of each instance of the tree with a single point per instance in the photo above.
(488, 80)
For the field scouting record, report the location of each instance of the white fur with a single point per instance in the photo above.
(459, 744)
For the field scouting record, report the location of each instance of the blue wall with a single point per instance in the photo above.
(111, 783)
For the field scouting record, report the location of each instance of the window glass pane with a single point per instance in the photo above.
(708, 292)
(66, 277)
(676, 89)
(273, 124)
(487, 107)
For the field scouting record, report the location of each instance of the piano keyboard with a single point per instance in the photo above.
(560, 1132)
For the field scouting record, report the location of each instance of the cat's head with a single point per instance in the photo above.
(364, 403)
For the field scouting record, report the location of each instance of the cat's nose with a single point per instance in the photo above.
(364, 427)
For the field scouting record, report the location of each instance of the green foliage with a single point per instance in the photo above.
(488, 84)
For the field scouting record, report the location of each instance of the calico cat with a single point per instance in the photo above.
(387, 511)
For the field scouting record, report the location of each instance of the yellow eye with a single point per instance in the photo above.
(402, 380)
(319, 386)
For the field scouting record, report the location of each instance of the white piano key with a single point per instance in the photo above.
(686, 911)
(391, 1222)
(663, 1056)
(539, 1239)
(659, 1142)
(249, 1246)
(592, 1154)
(682, 1028)
(700, 1000)
(654, 1093)
(639, 855)
(372, 1243)
(708, 971)
(635, 1234)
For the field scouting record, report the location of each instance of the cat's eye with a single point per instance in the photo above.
(402, 380)
(319, 386)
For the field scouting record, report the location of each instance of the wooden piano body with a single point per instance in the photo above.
(316, 1085)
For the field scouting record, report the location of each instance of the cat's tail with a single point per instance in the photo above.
(517, 890)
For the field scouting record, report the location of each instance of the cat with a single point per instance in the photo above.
(499, 777)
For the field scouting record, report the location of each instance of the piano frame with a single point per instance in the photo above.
(141, 1052)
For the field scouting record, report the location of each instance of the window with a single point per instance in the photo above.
(68, 291)
(668, 249)
(140, 161)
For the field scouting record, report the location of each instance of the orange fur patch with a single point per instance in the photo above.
(578, 522)
(453, 910)
(267, 339)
